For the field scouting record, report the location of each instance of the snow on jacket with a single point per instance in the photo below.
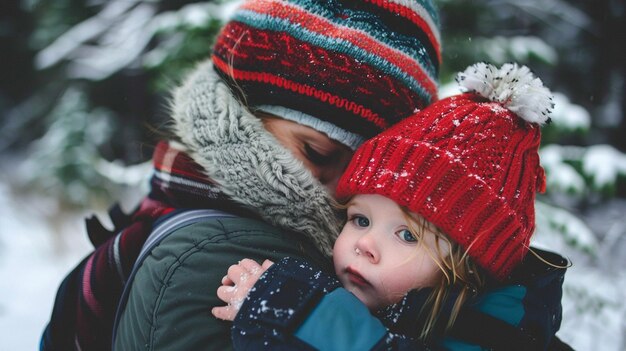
(295, 306)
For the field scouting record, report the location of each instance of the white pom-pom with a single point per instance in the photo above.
(513, 86)
(478, 77)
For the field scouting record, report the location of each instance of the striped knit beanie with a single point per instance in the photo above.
(347, 68)
(469, 164)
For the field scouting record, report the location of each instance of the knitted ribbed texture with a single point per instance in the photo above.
(360, 65)
(235, 151)
(469, 166)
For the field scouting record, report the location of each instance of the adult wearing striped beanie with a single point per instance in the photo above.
(346, 69)
(349, 69)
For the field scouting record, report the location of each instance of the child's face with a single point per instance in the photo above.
(377, 258)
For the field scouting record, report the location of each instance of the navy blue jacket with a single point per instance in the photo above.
(295, 306)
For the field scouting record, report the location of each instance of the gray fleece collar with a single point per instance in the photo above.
(247, 162)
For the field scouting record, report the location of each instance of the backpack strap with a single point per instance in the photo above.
(163, 227)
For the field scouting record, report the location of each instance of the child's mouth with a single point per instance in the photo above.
(356, 278)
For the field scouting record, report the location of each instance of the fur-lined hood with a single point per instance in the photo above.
(247, 162)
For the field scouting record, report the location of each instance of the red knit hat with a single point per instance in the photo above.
(349, 69)
(468, 164)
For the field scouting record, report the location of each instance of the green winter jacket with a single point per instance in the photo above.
(170, 303)
(174, 289)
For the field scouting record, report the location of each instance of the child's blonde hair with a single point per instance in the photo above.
(459, 273)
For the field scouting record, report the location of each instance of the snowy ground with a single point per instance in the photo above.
(36, 252)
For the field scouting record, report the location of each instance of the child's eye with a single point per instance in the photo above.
(360, 221)
(406, 235)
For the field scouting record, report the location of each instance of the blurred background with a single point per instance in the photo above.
(84, 97)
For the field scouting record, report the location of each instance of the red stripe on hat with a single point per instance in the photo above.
(308, 90)
(357, 38)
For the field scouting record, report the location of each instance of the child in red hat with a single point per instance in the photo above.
(440, 212)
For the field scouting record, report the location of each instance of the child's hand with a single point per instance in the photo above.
(236, 285)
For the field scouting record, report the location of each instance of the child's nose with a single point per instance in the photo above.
(366, 246)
